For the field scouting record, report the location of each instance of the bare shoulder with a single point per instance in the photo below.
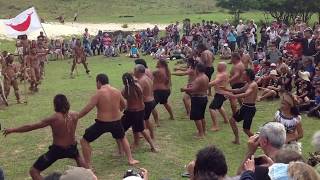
(74, 115)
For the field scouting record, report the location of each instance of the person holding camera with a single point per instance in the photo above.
(140, 174)
(270, 139)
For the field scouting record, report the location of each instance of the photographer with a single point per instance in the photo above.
(271, 138)
(140, 174)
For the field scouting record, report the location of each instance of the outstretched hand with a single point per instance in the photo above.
(6, 132)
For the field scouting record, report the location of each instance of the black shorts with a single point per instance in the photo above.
(148, 108)
(209, 72)
(217, 101)
(245, 113)
(100, 127)
(55, 153)
(133, 119)
(161, 96)
(198, 108)
(237, 85)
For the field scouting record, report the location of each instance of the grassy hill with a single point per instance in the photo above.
(159, 11)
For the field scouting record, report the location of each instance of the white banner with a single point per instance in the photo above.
(24, 23)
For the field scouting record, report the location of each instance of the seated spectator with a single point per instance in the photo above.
(209, 160)
(289, 116)
(285, 78)
(314, 159)
(273, 89)
(308, 66)
(260, 55)
(225, 52)
(303, 88)
(315, 108)
(134, 52)
(274, 54)
(271, 138)
(302, 171)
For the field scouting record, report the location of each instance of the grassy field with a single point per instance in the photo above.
(154, 11)
(174, 138)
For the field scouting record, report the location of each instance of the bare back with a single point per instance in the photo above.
(147, 88)
(237, 69)
(161, 80)
(134, 101)
(109, 104)
(64, 128)
(207, 58)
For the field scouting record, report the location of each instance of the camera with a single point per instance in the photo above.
(132, 172)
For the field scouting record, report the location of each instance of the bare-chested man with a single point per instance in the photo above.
(217, 103)
(147, 88)
(245, 59)
(198, 90)
(235, 79)
(109, 103)
(247, 111)
(162, 85)
(206, 58)
(150, 75)
(191, 73)
(79, 57)
(63, 124)
(10, 73)
(134, 113)
(33, 64)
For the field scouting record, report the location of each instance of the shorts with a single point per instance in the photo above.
(209, 72)
(198, 107)
(245, 113)
(55, 153)
(217, 101)
(148, 108)
(99, 127)
(237, 85)
(133, 119)
(161, 96)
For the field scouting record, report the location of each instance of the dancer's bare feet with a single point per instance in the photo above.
(214, 129)
(133, 162)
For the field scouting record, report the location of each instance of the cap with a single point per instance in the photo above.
(225, 44)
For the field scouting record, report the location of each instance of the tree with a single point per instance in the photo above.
(236, 7)
(288, 10)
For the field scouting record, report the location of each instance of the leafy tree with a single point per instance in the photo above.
(236, 7)
(288, 10)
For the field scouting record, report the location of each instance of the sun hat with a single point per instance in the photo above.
(273, 65)
(304, 75)
(273, 72)
(225, 44)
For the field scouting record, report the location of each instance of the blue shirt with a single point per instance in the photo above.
(231, 37)
(134, 50)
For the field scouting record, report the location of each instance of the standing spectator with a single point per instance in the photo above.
(284, 35)
(86, 42)
(240, 31)
(232, 39)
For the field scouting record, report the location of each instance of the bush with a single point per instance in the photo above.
(124, 26)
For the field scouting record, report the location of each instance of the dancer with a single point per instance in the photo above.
(217, 103)
(79, 57)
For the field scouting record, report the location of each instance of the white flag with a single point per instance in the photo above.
(24, 23)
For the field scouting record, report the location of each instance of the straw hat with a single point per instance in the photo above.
(273, 65)
(304, 75)
(273, 72)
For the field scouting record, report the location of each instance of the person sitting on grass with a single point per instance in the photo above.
(273, 90)
(63, 124)
(225, 52)
(289, 116)
(303, 88)
(134, 52)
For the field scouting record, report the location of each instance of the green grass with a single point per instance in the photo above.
(174, 138)
(155, 11)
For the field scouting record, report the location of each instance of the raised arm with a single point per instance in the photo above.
(180, 73)
(92, 103)
(30, 127)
